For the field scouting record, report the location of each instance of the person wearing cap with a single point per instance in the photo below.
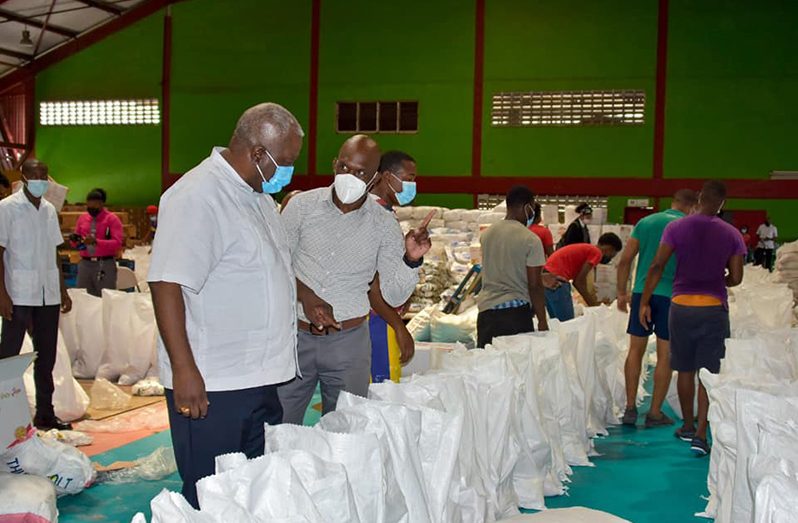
(577, 231)
(98, 236)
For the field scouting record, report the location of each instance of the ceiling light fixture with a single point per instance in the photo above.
(26, 41)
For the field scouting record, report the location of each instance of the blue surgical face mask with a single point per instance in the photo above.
(37, 188)
(530, 219)
(408, 192)
(281, 178)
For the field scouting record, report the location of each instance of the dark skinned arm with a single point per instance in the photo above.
(187, 382)
(624, 267)
(66, 301)
(735, 268)
(652, 280)
(580, 283)
(318, 312)
(6, 305)
(536, 296)
(548, 250)
(407, 345)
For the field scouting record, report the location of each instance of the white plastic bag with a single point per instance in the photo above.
(83, 333)
(374, 488)
(107, 396)
(148, 387)
(130, 336)
(451, 328)
(437, 448)
(776, 499)
(398, 429)
(291, 486)
(27, 498)
(68, 468)
(70, 401)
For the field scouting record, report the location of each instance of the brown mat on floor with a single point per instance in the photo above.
(136, 402)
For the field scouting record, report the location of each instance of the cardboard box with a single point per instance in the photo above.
(15, 418)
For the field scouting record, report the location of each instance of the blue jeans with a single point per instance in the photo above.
(559, 303)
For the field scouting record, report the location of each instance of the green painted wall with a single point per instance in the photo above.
(569, 45)
(225, 60)
(733, 72)
(416, 50)
(125, 160)
(732, 80)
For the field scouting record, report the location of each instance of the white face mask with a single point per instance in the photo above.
(349, 188)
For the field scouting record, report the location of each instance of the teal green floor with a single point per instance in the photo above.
(644, 476)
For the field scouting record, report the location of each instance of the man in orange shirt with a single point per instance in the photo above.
(573, 263)
(542, 232)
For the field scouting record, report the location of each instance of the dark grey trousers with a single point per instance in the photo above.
(338, 361)
(94, 276)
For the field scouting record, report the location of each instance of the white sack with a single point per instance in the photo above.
(776, 499)
(140, 255)
(70, 401)
(289, 486)
(83, 333)
(28, 498)
(376, 495)
(437, 448)
(451, 328)
(130, 336)
(68, 468)
(398, 429)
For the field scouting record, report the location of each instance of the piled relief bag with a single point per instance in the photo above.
(82, 329)
(70, 401)
(765, 365)
(759, 304)
(130, 337)
(27, 499)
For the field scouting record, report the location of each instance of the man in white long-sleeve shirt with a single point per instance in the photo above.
(339, 239)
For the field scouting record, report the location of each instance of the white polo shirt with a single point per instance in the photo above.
(30, 237)
(225, 245)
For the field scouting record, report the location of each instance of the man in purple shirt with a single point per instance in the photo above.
(709, 258)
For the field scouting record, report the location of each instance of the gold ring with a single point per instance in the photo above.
(184, 410)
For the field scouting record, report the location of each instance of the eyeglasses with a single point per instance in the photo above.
(342, 167)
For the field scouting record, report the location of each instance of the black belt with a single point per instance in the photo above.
(98, 258)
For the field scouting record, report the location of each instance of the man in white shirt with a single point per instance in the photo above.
(767, 233)
(223, 290)
(32, 288)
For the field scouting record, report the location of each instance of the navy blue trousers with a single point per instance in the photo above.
(234, 424)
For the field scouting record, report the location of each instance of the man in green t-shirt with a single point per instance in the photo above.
(645, 241)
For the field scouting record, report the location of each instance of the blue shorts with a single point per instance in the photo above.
(660, 311)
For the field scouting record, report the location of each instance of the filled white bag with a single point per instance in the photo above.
(130, 336)
(171, 507)
(490, 392)
(70, 401)
(83, 333)
(776, 499)
(68, 468)
(27, 499)
(756, 410)
(533, 476)
(140, 255)
(375, 491)
(437, 449)
(398, 429)
(448, 390)
(292, 485)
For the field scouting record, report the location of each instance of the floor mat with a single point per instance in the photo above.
(119, 503)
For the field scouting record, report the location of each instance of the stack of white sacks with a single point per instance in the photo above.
(471, 440)
(787, 268)
(753, 475)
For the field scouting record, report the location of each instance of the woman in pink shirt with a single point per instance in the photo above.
(98, 236)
